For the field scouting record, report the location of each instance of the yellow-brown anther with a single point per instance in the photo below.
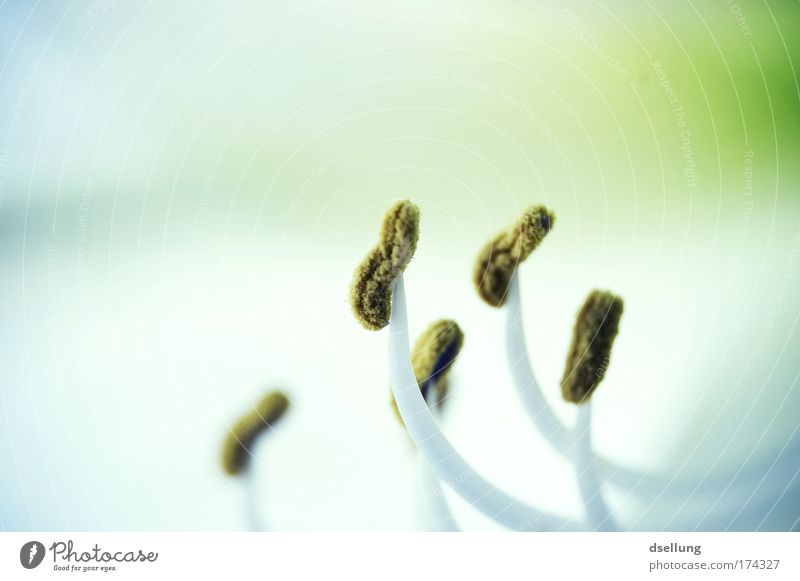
(371, 291)
(596, 326)
(500, 257)
(236, 450)
(433, 354)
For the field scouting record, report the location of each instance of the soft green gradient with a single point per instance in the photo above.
(186, 188)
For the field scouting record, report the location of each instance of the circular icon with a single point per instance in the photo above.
(31, 554)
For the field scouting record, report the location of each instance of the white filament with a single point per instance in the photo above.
(445, 460)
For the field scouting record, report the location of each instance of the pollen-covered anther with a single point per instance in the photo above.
(596, 327)
(433, 355)
(500, 256)
(371, 291)
(236, 449)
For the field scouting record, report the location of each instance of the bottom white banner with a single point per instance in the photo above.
(405, 556)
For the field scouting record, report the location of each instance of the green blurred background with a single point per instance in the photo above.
(187, 187)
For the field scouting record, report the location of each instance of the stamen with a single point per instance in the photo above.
(448, 464)
(433, 354)
(371, 291)
(596, 327)
(500, 257)
(243, 434)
